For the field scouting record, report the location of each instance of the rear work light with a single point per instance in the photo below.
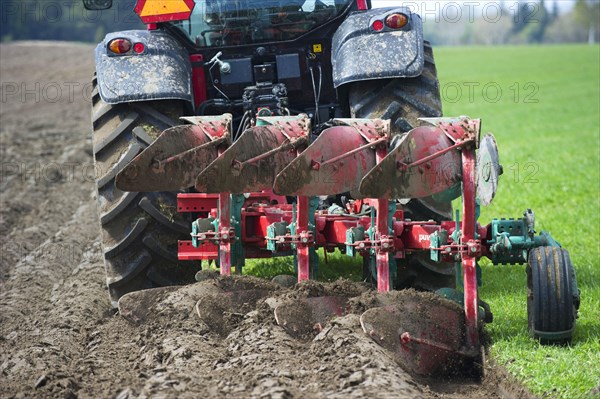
(396, 21)
(119, 46)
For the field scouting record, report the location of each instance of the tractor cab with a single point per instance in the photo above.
(218, 23)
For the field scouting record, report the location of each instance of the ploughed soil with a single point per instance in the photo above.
(59, 336)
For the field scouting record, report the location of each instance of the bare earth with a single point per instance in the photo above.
(59, 337)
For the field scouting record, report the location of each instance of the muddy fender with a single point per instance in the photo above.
(361, 53)
(161, 72)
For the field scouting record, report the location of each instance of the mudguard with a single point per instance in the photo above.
(360, 53)
(163, 71)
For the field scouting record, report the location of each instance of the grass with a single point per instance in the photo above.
(331, 267)
(542, 103)
(548, 134)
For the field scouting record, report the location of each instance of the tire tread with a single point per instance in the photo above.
(138, 239)
(551, 306)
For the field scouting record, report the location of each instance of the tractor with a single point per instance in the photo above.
(238, 129)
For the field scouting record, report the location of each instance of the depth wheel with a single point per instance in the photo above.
(139, 230)
(552, 294)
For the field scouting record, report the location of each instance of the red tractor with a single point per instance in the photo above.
(241, 129)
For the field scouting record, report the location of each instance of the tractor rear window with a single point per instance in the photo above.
(216, 23)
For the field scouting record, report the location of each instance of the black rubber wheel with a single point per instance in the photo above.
(404, 101)
(552, 294)
(139, 230)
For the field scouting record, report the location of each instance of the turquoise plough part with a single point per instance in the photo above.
(238, 258)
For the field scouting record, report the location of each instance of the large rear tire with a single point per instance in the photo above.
(404, 101)
(139, 230)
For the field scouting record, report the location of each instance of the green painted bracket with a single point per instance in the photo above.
(238, 253)
(275, 230)
(353, 235)
(202, 226)
(371, 233)
(513, 238)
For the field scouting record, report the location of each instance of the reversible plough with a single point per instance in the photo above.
(258, 196)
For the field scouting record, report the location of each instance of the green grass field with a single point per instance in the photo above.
(542, 104)
(547, 124)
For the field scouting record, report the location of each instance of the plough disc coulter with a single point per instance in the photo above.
(259, 196)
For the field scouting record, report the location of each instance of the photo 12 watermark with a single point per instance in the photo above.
(64, 11)
(45, 92)
(490, 92)
(470, 11)
(50, 172)
(68, 252)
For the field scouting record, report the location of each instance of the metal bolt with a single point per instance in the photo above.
(305, 240)
(225, 67)
(203, 236)
(386, 245)
(225, 236)
(487, 173)
(132, 172)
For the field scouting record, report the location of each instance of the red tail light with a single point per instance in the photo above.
(377, 25)
(396, 21)
(139, 48)
(119, 46)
